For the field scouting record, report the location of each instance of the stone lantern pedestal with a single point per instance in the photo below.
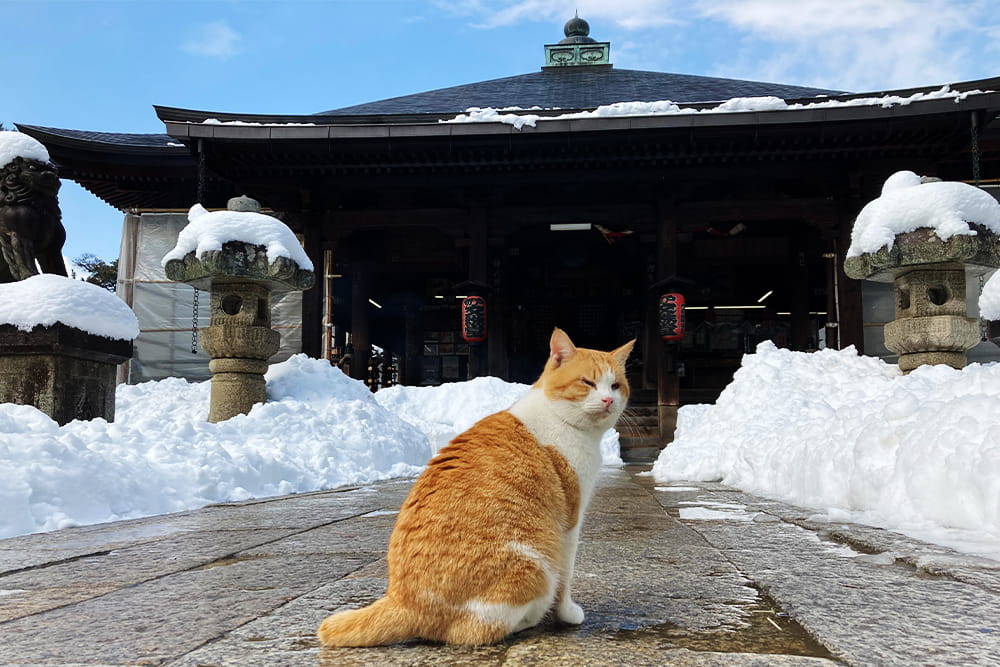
(65, 372)
(931, 325)
(239, 337)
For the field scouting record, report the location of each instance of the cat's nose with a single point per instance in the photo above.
(607, 400)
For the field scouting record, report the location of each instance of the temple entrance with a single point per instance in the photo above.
(749, 283)
(580, 280)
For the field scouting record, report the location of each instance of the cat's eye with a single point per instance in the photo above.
(615, 387)
(588, 383)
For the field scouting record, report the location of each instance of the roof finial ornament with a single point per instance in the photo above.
(578, 47)
(577, 30)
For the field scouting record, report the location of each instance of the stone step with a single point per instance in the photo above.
(640, 449)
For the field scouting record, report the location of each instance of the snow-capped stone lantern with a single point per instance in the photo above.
(240, 256)
(925, 235)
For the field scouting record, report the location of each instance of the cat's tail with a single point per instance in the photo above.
(382, 622)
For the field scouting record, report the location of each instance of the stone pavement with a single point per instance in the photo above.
(682, 575)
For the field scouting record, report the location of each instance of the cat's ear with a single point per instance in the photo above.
(561, 347)
(621, 354)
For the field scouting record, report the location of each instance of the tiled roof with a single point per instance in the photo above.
(578, 88)
(111, 138)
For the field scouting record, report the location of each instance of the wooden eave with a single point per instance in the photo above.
(126, 176)
(930, 127)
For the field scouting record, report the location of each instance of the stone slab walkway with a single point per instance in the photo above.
(681, 575)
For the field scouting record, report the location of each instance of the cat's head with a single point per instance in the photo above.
(588, 387)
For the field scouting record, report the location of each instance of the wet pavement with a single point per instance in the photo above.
(693, 574)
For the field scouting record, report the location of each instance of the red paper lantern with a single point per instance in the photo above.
(474, 319)
(671, 316)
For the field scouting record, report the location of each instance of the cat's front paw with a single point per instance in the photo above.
(570, 612)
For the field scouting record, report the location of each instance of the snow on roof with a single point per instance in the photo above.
(45, 299)
(207, 231)
(18, 144)
(734, 105)
(216, 121)
(907, 204)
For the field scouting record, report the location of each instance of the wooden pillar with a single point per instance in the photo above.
(665, 355)
(498, 320)
(851, 325)
(312, 299)
(479, 272)
(798, 277)
(360, 338)
(409, 372)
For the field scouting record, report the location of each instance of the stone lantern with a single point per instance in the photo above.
(929, 272)
(240, 277)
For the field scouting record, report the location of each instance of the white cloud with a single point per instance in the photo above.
(214, 39)
(628, 14)
(798, 19)
(854, 44)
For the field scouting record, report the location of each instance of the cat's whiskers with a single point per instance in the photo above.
(627, 420)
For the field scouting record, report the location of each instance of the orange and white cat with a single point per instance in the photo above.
(486, 541)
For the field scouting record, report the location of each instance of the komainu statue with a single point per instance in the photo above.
(30, 222)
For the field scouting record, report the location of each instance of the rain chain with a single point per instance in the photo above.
(194, 323)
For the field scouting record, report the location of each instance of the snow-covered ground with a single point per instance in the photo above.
(320, 429)
(854, 439)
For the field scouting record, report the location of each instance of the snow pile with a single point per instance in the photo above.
(207, 231)
(18, 144)
(989, 299)
(907, 204)
(850, 436)
(734, 105)
(46, 298)
(160, 455)
(319, 429)
(443, 412)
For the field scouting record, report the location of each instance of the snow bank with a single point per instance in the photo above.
(46, 298)
(443, 412)
(851, 436)
(160, 455)
(907, 204)
(319, 429)
(18, 144)
(207, 231)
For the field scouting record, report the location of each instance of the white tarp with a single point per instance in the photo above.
(166, 309)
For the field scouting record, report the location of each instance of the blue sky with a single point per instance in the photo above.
(101, 64)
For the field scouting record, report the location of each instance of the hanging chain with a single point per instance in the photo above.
(194, 323)
(975, 150)
(982, 322)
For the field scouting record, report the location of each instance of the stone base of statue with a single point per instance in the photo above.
(941, 339)
(239, 361)
(64, 372)
(237, 384)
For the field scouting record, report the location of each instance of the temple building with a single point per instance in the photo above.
(560, 200)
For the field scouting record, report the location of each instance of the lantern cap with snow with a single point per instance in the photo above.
(239, 245)
(919, 222)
